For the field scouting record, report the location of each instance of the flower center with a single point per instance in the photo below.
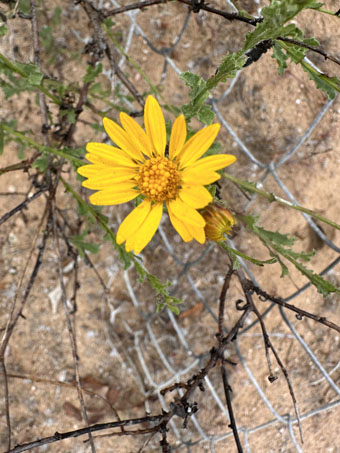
(159, 179)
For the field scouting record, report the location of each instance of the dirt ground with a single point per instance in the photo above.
(117, 329)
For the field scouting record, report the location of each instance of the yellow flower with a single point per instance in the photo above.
(219, 221)
(140, 165)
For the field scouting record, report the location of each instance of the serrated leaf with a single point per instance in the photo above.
(92, 73)
(273, 236)
(323, 82)
(281, 58)
(205, 114)
(82, 246)
(237, 253)
(227, 69)
(41, 163)
(274, 17)
(275, 242)
(35, 76)
(284, 268)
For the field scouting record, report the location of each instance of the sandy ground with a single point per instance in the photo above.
(269, 113)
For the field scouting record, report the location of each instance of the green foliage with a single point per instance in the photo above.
(233, 253)
(271, 28)
(92, 73)
(329, 85)
(279, 244)
(14, 84)
(274, 17)
(56, 18)
(46, 36)
(163, 297)
(3, 30)
(198, 94)
(82, 245)
(227, 69)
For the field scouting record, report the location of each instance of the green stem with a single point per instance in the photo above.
(40, 147)
(253, 188)
(309, 68)
(17, 70)
(246, 257)
(327, 11)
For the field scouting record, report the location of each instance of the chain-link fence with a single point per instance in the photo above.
(283, 142)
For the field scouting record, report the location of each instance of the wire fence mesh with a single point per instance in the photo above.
(155, 351)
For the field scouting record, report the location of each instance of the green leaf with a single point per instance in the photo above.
(32, 72)
(235, 252)
(274, 17)
(82, 246)
(46, 35)
(197, 95)
(227, 69)
(41, 163)
(56, 18)
(278, 244)
(163, 297)
(3, 30)
(92, 73)
(108, 22)
(281, 58)
(329, 85)
(205, 114)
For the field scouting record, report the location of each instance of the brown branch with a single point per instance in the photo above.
(196, 7)
(22, 205)
(23, 165)
(222, 299)
(132, 6)
(227, 393)
(82, 431)
(269, 344)
(300, 312)
(313, 49)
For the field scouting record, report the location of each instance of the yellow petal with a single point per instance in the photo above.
(121, 138)
(155, 125)
(198, 233)
(136, 134)
(197, 176)
(133, 221)
(195, 196)
(198, 145)
(100, 153)
(185, 213)
(177, 137)
(107, 180)
(121, 193)
(104, 171)
(215, 162)
(145, 232)
(180, 227)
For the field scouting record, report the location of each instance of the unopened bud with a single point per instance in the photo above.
(219, 221)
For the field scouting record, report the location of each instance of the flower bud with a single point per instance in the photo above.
(219, 221)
